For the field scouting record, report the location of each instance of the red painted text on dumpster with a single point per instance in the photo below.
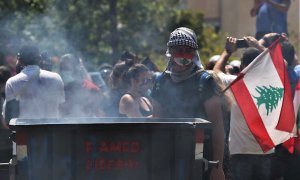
(113, 147)
(110, 164)
(110, 155)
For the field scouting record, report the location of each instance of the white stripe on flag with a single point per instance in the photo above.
(266, 76)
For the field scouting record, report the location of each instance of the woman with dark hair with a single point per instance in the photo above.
(117, 88)
(134, 103)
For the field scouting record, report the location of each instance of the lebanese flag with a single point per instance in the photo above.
(263, 94)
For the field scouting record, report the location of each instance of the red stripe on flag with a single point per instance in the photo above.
(251, 115)
(287, 116)
(289, 145)
(297, 88)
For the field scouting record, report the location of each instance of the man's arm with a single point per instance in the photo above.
(283, 7)
(214, 115)
(221, 63)
(230, 47)
(3, 121)
(11, 105)
(252, 42)
(11, 110)
(269, 38)
(255, 8)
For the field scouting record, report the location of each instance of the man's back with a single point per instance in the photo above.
(39, 92)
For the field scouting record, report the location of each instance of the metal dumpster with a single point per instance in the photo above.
(109, 148)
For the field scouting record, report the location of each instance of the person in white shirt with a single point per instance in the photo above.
(34, 94)
(39, 92)
(248, 161)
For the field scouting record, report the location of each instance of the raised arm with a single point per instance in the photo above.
(252, 42)
(269, 38)
(230, 47)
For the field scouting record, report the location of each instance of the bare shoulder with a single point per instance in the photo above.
(127, 99)
(128, 106)
(146, 99)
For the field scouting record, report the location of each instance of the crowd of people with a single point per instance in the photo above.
(185, 89)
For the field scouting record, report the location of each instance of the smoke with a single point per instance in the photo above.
(43, 31)
(46, 32)
(42, 98)
(42, 28)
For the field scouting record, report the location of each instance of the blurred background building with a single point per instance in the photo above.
(233, 16)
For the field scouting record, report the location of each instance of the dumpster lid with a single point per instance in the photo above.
(106, 120)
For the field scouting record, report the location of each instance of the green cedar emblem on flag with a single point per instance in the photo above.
(269, 96)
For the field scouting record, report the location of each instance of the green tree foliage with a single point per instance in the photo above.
(14, 16)
(98, 30)
(212, 43)
(186, 18)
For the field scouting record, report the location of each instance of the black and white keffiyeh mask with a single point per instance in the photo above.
(184, 37)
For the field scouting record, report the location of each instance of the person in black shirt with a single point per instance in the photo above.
(185, 90)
